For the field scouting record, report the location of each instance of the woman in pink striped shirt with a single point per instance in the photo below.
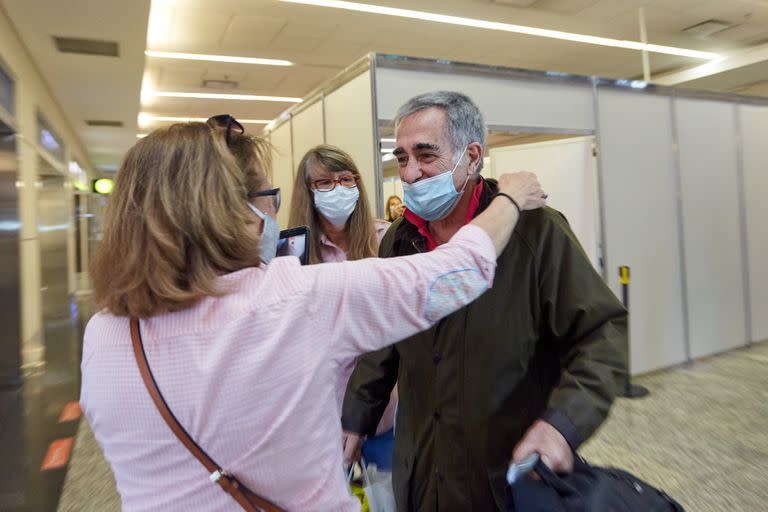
(240, 344)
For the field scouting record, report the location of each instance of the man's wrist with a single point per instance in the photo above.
(563, 424)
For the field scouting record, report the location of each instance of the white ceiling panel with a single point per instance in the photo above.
(322, 41)
(248, 33)
(564, 6)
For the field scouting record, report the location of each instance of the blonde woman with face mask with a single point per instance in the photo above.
(394, 209)
(329, 197)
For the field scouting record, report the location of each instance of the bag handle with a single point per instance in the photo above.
(553, 480)
(246, 498)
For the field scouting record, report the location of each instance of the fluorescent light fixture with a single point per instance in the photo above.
(145, 118)
(389, 140)
(217, 58)
(147, 89)
(387, 151)
(387, 157)
(221, 96)
(505, 27)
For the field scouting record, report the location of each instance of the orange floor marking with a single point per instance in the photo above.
(70, 412)
(58, 454)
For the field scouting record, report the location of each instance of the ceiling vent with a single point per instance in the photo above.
(87, 46)
(707, 28)
(219, 84)
(102, 122)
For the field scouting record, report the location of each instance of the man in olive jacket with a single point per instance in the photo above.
(531, 366)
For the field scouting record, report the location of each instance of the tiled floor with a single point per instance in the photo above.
(701, 435)
(29, 421)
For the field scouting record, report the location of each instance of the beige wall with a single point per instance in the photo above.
(33, 94)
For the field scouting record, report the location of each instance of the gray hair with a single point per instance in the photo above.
(464, 119)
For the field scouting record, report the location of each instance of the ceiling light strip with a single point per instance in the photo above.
(221, 96)
(505, 27)
(144, 117)
(218, 58)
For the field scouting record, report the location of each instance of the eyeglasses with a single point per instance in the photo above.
(328, 184)
(274, 192)
(227, 122)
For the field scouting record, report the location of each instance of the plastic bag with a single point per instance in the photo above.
(376, 494)
(378, 489)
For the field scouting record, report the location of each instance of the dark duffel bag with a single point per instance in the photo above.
(588, 489)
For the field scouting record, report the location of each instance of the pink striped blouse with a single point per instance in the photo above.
(251, 375)
(331, 252)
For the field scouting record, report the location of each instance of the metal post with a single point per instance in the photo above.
(630, 390)
(644, 40)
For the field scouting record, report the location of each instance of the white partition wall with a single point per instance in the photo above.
(349, 125)
(282, 169)
(566, 170)
(711, 224)
(683, 182)
(503, 101)
(753, 126)
(307, 129)
(641, 221)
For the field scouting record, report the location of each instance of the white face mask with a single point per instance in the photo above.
(337, 205)
(270, 236)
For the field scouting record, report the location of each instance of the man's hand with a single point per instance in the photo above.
(352, 444)
(549, 443)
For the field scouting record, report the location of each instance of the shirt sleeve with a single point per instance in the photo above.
(371, 303)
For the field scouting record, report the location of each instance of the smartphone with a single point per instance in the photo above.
(294, 242)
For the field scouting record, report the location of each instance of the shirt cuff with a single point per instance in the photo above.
(565, 426)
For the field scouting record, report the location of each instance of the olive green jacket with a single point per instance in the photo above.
(548, 340)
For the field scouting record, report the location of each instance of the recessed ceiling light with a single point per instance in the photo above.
(145, 118)
(505, 27)
(218, 58)
(223, 96)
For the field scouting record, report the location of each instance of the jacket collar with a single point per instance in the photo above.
(408, 240)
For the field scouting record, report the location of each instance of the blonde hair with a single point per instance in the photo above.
(362, 232)
(178, 218)
(388, 212)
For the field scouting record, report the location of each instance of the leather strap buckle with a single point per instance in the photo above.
(216, 475)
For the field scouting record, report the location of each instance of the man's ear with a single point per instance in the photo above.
(475, 152)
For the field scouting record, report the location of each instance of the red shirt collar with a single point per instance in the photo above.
(423, 225)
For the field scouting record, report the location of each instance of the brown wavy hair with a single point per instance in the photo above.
(362, 232)
(177, 219)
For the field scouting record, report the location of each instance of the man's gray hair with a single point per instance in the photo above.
(465, 121)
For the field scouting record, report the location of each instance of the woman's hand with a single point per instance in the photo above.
(525, 189)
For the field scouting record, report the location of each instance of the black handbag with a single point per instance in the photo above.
(588, 489)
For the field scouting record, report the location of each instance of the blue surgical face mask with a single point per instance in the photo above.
(434, 198)
(269, 237)
(338, 204)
